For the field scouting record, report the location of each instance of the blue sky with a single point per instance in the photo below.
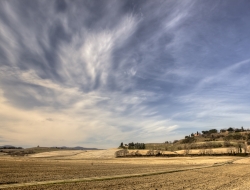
(97, 73)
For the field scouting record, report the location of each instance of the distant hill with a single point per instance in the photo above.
(62, 147)
(9, 147)
(213, 138)
(75, 148)
(239, 138)
(18, 151)
(6, 146)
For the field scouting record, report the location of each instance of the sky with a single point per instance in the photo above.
(97, 73)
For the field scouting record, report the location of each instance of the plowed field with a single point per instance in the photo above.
(221, 172)
(219, 178)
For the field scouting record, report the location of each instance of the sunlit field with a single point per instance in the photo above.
(99, 169)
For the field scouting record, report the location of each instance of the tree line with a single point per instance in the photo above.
(132, 145)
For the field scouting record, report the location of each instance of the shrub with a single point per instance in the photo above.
(213, 131)
(136, 145)
(227, 144)
(175, 141)
(230, 129)
(188, 140)
(205, 132)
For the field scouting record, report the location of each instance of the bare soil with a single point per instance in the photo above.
(221, 178)
(77, 154)
(30, 170)
(66, 166)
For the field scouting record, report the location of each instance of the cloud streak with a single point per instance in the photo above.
(96, 73)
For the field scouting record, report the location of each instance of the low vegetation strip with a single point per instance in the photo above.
(63, 153)
(110, 177)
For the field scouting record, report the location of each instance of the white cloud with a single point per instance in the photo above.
(225, 75)
(86, 61)
(97, 78)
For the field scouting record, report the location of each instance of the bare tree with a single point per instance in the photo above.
(202, 151)
(209, 151)
(248, 148)
(172, 148)
(166, 147)
(120, 153)
(187, 150)
(244, 147)
(137, 153)
(231, 150)
(150, 152)
(239, 147)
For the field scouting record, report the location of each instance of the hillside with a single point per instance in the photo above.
(229, 140)
(18, 151)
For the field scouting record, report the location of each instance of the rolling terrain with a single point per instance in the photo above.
(55, 168)
(99, 169)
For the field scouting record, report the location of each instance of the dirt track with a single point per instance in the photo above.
(23, 170)
(225, 177)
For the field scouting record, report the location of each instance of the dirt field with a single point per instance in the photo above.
(221, 172)
(221, 178)
(77, 154)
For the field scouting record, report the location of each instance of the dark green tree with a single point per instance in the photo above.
(213, 131)
(205, 132)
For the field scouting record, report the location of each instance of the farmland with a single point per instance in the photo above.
(101, 170)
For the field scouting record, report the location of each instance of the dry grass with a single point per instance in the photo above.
(74, 165)
(23, 170)
(78, 154)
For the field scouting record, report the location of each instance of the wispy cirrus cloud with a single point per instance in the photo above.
(96, 73)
